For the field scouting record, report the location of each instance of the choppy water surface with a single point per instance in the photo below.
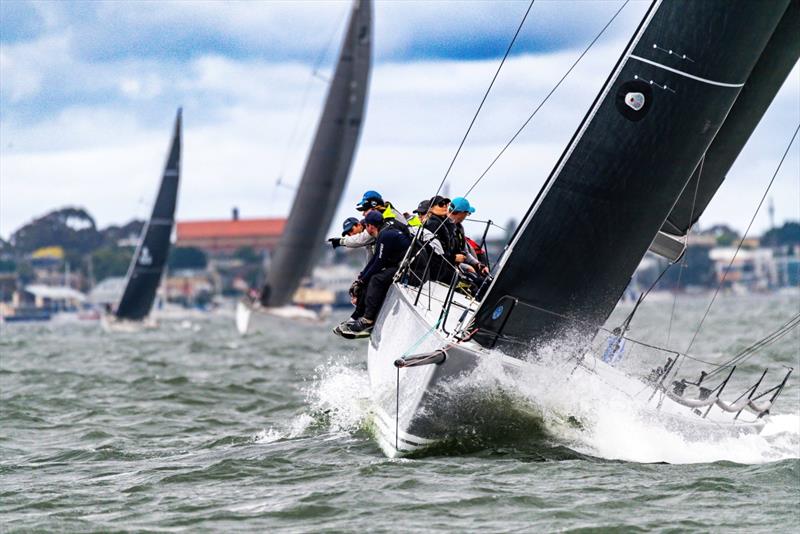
(190, 427)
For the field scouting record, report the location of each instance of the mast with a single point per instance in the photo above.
(623, 170)
(147, 265)
(771, 70)
(328, 166)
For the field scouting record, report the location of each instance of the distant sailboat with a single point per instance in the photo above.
(324, 177)
(656, 144)
(150, 259)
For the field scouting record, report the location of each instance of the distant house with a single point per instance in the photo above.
(224, 237)
(752, 269)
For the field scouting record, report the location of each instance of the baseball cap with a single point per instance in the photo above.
(423, 207)
(348, 225)
(461, 204)
(368, 199)
(374, 218)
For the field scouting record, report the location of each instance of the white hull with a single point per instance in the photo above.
(424, 414)
(251, 318)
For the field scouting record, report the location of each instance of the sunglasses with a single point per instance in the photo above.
(442, 203)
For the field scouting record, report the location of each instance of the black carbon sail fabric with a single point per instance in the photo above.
(771, 70)
(624, 169)
(328, 166)
(147, 266)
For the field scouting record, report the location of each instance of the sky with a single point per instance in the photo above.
(89, 90)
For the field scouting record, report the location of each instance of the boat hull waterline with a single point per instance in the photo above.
(425, 412)
(250, 318)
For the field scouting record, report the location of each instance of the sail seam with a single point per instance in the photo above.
(687, 75)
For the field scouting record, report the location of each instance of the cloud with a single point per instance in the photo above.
(87, 110)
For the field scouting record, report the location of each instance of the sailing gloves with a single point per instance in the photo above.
(335, 242)
(355, 291)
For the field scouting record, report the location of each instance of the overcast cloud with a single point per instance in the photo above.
(88, 91)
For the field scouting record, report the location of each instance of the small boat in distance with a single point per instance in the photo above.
(148, 262)
(323, 182)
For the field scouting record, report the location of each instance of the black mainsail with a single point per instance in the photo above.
(147, 266)
(624, 169)
(771, 70)
(328, 165)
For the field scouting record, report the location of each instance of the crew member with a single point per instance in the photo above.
(354, 235)
(390, 248)
(371, 200)
(441, 266)
(460, 208)
(425, 246)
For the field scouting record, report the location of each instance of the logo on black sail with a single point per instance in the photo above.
(145, 258)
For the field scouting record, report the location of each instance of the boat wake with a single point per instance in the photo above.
(545, 414)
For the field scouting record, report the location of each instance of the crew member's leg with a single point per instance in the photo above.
(376, 292)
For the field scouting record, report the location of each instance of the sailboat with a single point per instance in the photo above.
(323, 181)
(150, 258)
(657, 142)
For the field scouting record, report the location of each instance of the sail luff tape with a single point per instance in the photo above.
(686, 74)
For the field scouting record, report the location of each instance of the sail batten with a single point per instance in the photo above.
(150, 258)
(624, 170)
(328, 166)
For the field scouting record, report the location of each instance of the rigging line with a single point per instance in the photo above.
(472, 122)
(306, 90)
(546, 98)
(685, 251)
(741, 241)
(769, 339)
(483, 100)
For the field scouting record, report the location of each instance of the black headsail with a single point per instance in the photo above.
(147, 266)
(328, 165)
(624, 169)
(771, 70)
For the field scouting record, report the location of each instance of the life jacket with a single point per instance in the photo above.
(477, 250)
(390, 212)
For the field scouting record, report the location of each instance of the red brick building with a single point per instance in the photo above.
(224, 237)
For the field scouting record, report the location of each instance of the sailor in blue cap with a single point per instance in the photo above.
(465, 257)
(372, 200)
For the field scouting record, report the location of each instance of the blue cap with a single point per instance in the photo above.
(348, 225)
(368, 196)
(461, 204)
(374, 218)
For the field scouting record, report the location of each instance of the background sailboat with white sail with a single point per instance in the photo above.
(625, 175)
(150, 258)
(324, 177)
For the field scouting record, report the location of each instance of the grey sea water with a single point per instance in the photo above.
(192, 428)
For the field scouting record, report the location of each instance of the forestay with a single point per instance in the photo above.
(624, 169)
(328, 165)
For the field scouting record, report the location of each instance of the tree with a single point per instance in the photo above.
(788, 234)
(111, 261)
(724, 234)
(71, 228)
(187, 258)
(248, 256)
